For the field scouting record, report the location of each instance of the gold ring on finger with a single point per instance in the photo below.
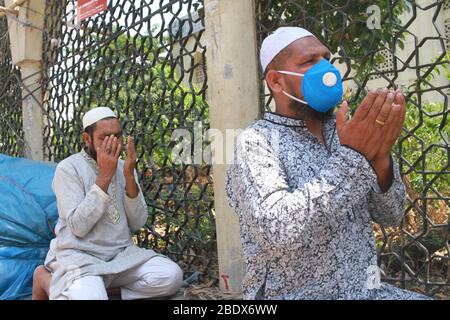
(381, 123)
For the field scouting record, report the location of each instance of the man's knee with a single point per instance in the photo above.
(41, 283)
(175, 278)
(87, 288)
(168, 282)
(39, 273)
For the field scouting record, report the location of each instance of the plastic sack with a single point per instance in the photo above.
(28, 215)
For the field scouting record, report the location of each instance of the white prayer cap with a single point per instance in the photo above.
(277, 41)
(97, 114)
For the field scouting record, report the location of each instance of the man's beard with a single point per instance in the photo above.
(90, 150)
(305, 112)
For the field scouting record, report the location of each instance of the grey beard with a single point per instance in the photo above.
(305, 112)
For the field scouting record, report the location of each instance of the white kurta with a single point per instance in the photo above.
(93, 234)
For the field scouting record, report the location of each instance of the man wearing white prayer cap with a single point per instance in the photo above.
(306, 183)
(99, 204)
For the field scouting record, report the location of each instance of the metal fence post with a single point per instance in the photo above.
(25, 33)
(233, 92)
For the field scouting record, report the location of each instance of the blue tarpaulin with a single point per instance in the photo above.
(28, 215)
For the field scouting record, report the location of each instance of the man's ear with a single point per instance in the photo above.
(86, 139)
(274, 81)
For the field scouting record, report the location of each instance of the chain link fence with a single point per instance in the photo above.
(145, 60)
(393, 44)
(11, 132)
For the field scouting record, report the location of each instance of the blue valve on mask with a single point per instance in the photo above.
(321, 86)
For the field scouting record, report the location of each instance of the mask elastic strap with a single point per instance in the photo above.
(292, 73)
(294, 98)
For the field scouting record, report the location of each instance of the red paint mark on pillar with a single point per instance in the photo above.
(225, 280)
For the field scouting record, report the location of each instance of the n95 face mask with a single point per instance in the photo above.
(321, 86)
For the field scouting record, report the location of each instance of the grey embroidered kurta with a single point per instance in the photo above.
(306, 211)
(93, 234)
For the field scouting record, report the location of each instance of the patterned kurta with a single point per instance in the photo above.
(306, 211)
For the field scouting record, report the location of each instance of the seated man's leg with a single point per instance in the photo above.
(158, 277)
(86, 288)
(41, 283)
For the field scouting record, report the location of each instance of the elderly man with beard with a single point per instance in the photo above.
(306, 183)
(99, 204)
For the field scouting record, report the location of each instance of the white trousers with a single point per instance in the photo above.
(158, 277)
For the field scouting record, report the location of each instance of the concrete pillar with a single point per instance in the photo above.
(233, 94)
(25, 34)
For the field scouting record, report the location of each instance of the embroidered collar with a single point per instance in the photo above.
(112, 212)
(90, 160)
(282, 120)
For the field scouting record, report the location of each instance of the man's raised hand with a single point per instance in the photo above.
(130, 162)
(364, 131)
(131, 187)
(392, 128)
(107, 158)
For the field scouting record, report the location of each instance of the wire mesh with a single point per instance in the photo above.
(145, 60)
(393, 44)
(11, 132)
